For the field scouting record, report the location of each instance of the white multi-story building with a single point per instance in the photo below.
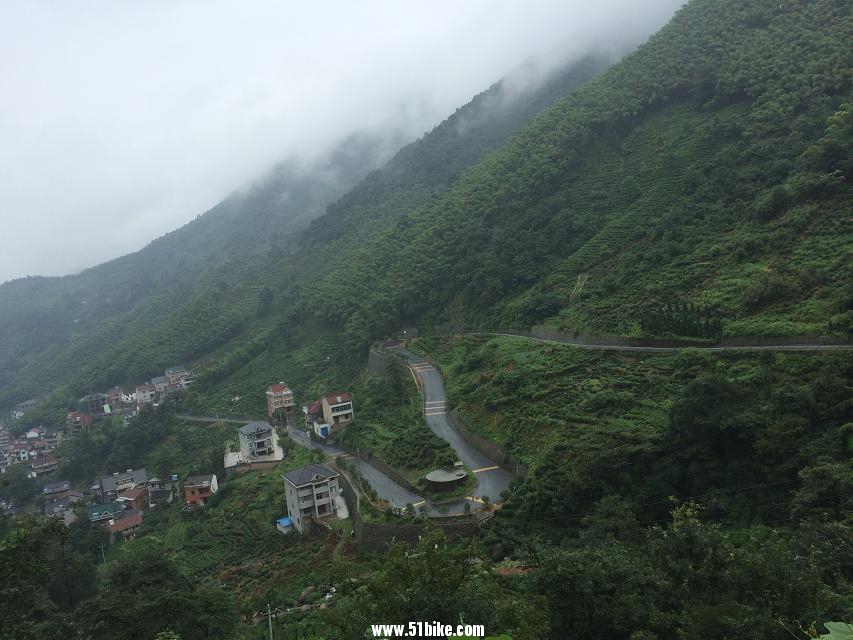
(337, 408)
(256, 440)
(310, 492)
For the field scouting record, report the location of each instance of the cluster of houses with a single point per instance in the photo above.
(312, 492)
(321, 416)
(118, 501)
(117, 400)
(128, 403)
(35, 446)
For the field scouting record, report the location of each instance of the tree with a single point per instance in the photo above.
(155, 594)
(26, 575)
(433, 581)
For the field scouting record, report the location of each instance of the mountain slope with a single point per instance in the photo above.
(699, 186)
(709, 171)
(200, 286)
(64, 321)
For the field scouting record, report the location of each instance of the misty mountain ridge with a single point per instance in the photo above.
(229, 247)
(621, 300)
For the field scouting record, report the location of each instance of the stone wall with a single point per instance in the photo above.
(377, 537)
(243, 467)
(376, 362)
(488, 448)
(396, 476)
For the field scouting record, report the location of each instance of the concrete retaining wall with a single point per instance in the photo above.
(245, 467)
(491, 450)
(376, 362)
(368, 457)
(375, 537)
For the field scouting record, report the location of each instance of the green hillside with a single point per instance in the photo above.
(51, 327)
(709, 168)
(699, 187)
(200, 286)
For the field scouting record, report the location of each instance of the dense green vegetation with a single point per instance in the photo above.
(728, 474)
(390, 425)
(228, 275)
(688, 171)
(175, 299)
(700, 187)
(656, 428)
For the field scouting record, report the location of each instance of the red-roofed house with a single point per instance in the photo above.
(77, 421)
(198, 489)
(125, 527)
(135, 498)
(279, 398)
(312, 413)
(43, 464)
(337, 408)
(35, 433)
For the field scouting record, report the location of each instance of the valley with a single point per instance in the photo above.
(575, 363)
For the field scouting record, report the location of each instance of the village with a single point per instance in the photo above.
(36, 445)
(118, 502)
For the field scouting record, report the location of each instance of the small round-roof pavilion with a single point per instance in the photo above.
(445, 479)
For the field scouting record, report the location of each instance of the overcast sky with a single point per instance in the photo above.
(122, 120)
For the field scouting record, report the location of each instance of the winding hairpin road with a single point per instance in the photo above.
(491, 478)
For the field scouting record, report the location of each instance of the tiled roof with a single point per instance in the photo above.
(96, 511)
(195, 481)
(43, 460)
(278, 387)
(338, 398)
(315, 407)
(138, 476)
(309, 473)
(129, 521)
(134, 493)
(254, 427)
(54, 487)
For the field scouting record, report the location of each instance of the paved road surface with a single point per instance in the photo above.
(491, 479)
(385, 486)
(217, 419)
(611, 347)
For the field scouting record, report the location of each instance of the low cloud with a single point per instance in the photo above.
(123, 120)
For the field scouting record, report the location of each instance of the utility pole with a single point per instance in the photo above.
(103, 557)
(269, 618)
